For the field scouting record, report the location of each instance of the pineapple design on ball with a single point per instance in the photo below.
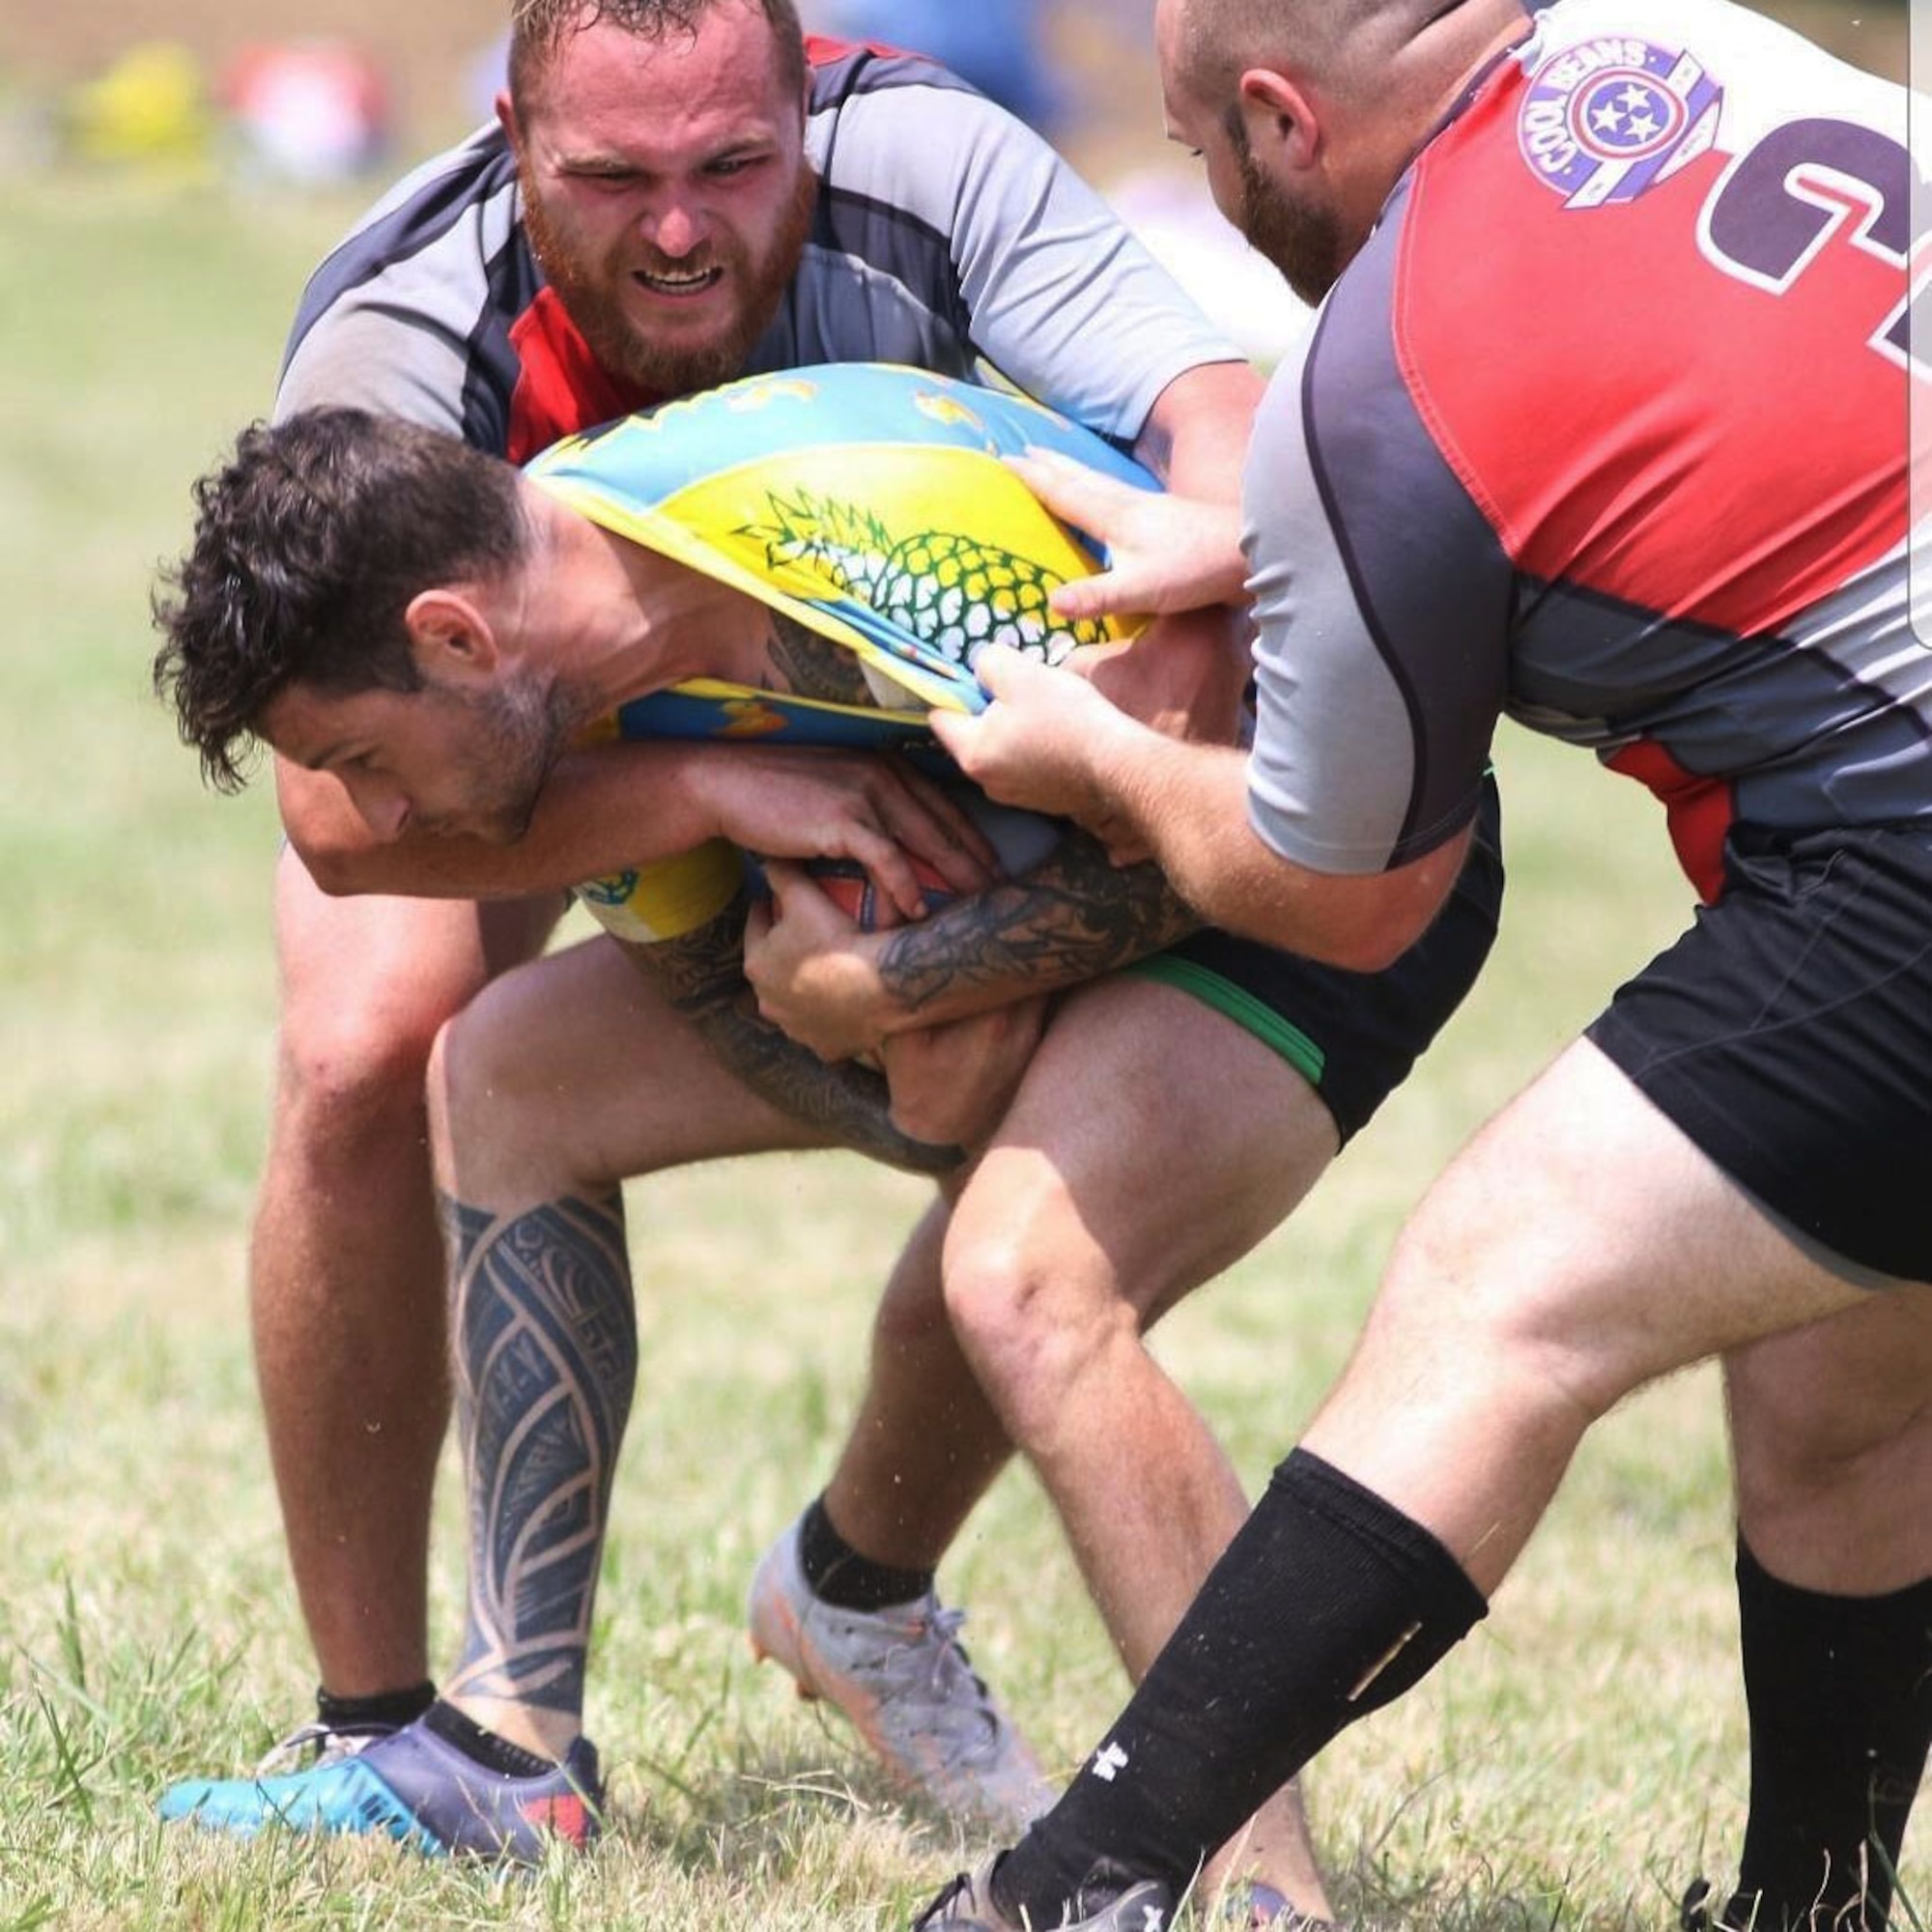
(952, 592)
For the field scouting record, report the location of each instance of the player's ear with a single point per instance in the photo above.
(1279, 117)
(451, 635)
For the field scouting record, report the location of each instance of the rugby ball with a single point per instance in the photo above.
(849, 887)
(1020, 839)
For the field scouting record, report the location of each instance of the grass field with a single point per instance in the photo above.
(1573, 1766)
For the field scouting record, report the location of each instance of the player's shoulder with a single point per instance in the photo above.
(883, 120)
(409, 308)
(1606, 103)
(1764, 65)
(1615, 112)
(1591, 194)
(842, 69)
(457, 206)
(1591, 282)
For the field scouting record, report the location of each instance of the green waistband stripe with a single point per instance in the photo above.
(1241, 1006)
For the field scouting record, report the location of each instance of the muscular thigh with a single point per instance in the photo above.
(1176, 1113)
(1153, 1141)
(1735, 1150)
(573, 1072)
(1584, 1231)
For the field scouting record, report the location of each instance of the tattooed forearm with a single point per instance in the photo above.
(814, 666)
(702, 975)
(1071, 918)
(546, 1364)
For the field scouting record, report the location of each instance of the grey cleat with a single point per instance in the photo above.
(902, 1678)
(1108, 1901)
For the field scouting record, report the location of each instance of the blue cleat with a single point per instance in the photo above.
(415, 1787)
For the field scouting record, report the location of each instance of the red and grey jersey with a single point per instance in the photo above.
(948, 236)
(1605, 430)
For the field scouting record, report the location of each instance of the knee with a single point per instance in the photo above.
(1833, 1407)
(1032, 1314)
(351, 1074)
(1796, 1454)
(1504, 1332)
(476, 1069)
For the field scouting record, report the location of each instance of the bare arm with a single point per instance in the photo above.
(600, 810)
(1053, 744)
(1196, 437)
(702, 974)
(615, 806)
(1190, 805)
(1073, 917)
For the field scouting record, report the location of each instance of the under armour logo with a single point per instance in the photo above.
(1152, 1917)
(1107, 1764)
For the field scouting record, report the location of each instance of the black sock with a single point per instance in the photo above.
(481, 1746)
(387, 1707)
(1328, 1605)
(1841, 1696)
(838, 1575)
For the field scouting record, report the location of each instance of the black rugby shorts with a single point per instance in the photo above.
(1789, 1035)
(1352, 1035)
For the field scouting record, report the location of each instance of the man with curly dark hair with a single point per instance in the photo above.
(529, 610)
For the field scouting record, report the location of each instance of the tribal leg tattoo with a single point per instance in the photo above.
(547, 1362)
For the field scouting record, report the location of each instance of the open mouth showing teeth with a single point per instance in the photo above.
(680, 285)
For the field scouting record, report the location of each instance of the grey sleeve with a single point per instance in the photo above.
(1382, 601)
(1061, 299)
(393, 319)
(379, 357)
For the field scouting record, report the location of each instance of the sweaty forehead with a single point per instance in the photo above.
(612, 85)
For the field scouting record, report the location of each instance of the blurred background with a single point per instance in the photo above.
(307, 96)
